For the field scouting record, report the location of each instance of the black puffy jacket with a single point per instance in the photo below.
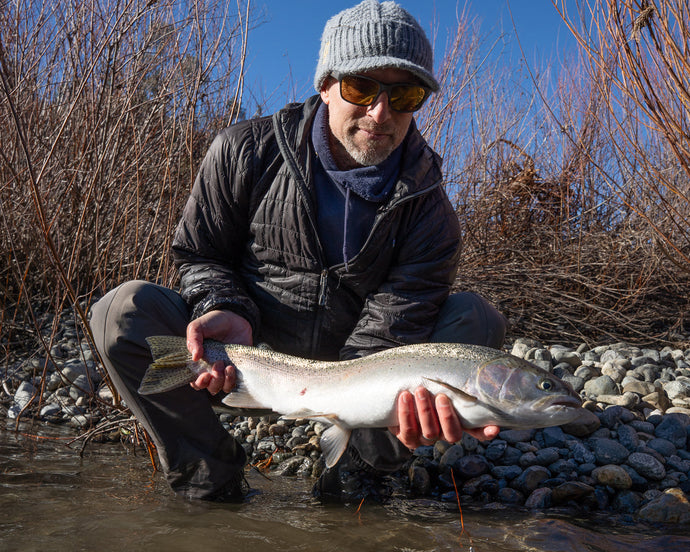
(248, 242)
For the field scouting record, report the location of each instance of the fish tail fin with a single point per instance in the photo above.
(170, 366)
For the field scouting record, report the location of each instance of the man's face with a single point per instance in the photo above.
(365, 135)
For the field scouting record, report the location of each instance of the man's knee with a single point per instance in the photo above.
(468, 318)
(134, 310)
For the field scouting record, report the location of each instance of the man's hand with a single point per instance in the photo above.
(224, 326)
(424, 419)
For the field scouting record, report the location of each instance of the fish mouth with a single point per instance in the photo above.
(558, 402)
(565, 402)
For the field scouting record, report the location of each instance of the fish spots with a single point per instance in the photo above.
(303, 391)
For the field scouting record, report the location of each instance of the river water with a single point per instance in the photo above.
(110, 499)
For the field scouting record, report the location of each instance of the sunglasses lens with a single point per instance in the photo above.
(358, 91)
(407, 97)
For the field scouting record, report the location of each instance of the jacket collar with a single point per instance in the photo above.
(421, 166)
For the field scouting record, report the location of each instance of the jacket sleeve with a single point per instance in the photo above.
(405, 307)
(212, 233)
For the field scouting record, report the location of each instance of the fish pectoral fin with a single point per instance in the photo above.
(455, 390)
(240, 397)
(334, 442)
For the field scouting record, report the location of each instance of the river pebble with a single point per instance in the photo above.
(628, 452)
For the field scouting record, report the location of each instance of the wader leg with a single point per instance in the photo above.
(198, 456)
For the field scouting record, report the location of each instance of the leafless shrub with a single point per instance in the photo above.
(106, 109)
(563, 205)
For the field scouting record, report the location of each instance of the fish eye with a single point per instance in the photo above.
(546, 385)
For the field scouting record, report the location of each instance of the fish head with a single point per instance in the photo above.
(526, 396)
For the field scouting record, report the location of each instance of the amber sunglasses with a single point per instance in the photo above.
(402, 96)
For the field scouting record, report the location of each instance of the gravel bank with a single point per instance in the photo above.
(630, 454)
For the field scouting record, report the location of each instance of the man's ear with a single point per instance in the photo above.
(327, 89)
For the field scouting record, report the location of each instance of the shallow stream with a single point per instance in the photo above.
(109, 499)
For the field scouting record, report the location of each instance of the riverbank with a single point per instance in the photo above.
(629, 454)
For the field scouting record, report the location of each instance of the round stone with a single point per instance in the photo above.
(612, 476)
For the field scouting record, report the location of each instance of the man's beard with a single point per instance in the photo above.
(370, 153)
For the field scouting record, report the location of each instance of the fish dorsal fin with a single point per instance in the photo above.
(333, 443)
(455, 390)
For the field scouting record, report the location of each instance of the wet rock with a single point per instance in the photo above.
(510, 496)
(495, 449)
(452, 456)
(51, 412)
(646, 465)
(586, 424)
(547, 456)
(539, 499)
(513, 436)
(580, 453)
(627, 502)
(530, 479)
(277, 430)
(420, 480)
(24, 394)
(553, 437)
(613, 476)
(662, 446)
(608, 451)
(671, 507)
(291, 465)
(483, 484)
(508, 473)
(471, 466)
(627, 436)
(571, 490)
(511, 456)
(674, 430)
(603, 385)
(615, 415)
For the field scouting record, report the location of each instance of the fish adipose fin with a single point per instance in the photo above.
(169, 368)
(455, 390)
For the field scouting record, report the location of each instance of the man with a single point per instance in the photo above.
(323, 231)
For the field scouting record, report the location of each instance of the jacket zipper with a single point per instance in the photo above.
(323, 285)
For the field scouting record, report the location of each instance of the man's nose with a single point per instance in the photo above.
(380, 110)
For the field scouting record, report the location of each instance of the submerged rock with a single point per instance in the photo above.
(670, 507)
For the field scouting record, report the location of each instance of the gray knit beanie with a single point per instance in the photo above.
(373, 35)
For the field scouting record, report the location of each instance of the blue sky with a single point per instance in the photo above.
(283, 48)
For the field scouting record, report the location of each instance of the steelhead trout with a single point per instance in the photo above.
(486, 386)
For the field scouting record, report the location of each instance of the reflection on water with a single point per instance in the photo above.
(51, 499)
